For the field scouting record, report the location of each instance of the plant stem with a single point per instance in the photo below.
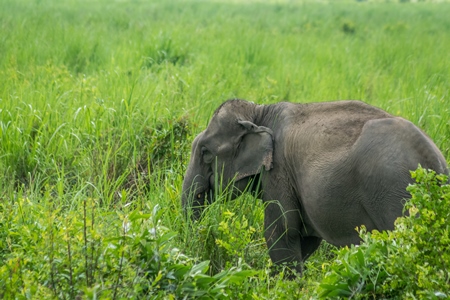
(70, 266)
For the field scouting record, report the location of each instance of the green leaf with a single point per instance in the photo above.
(200, 268)
(330, 290)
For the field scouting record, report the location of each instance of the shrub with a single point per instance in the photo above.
(228, 233)
(236, 237)
(51, 253)
(413, 261)
(348, 27)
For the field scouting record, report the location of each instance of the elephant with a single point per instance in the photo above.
(323, 169)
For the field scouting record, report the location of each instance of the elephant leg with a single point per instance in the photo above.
(309, 244)
(283, 236)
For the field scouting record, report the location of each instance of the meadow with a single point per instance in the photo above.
(100, 101)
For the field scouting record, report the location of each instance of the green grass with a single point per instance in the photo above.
(100, 100)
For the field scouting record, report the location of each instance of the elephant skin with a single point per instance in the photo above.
(324, 169)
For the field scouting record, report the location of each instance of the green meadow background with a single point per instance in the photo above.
(100, 101)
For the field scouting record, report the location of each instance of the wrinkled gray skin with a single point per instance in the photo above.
(325, 168)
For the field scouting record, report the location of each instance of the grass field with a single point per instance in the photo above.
(100, 101)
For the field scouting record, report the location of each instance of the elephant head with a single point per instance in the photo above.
(226, 156)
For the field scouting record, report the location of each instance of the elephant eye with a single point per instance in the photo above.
(206, 155)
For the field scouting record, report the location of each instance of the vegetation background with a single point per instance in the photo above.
(100, 100)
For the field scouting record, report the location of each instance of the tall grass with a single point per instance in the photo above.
(100, 100)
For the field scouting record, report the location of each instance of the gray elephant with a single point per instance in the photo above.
(323, 168)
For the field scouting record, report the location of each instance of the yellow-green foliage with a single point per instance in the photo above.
(410, 262)
(70, 254)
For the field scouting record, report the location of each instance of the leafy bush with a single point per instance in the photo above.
(348, 27)
(229, 233)
(238, 240)
(232, 241)
(67, 255)
(413, 261)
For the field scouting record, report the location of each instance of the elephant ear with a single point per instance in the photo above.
(255, 150)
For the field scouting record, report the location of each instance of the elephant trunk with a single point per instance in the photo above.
(194, 194)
